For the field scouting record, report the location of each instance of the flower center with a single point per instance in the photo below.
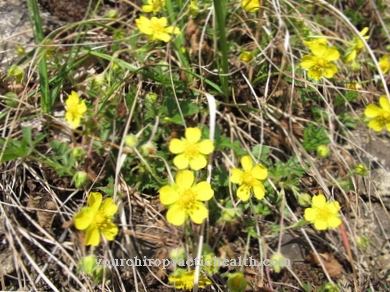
(323, 214)
(321, 62)
(187, 199)
(157, 27)
(73, 110)
(248, 179)
(386, 115)
(191, 150)
(100, 218)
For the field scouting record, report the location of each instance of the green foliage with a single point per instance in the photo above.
(286, 174)
(19, 148)
(314, 136)
(348, 97)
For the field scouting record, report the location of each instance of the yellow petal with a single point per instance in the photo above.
(181, 161)
(351, 56)
(329, 70)
(110, 230)
(83, 219)
(259, 191)
(236, 176)
(318, 50)
(198, 162)
(308, 62)
(206, 146)
(334, 222)
(388, 126)
(199, 213)
(176, 215)
(176, 146)
(203, 191)
(95, 200)
(185, 179)
(384, 102)
(247, 163)
(172, 30)
(163, 21)
(372, 111)
(92, 237)
(364, 31)
(73, 99)
(108, 207)
(334, 207)
(318, 201)
(331, 54)
(310, 214)
(193, 135)
(168, 195)
(162, 36)
(144, 25)
(315, 74)
(376, 124)
(259, 172)
(243, 193)
(147, 8)
(320, 225)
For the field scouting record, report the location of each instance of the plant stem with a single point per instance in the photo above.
(220, 13)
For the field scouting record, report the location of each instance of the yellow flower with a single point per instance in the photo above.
(185, 280)
(249, 179)
(384, 63)
(75, 109)
(250, 5)
(192, 152)
(96, 219)
(153, 6)
(380, 115)
(356, 46)
(156, 28)
(319, 63)
(316, 43)
(246, 56)
(184, 199)
(324, 215)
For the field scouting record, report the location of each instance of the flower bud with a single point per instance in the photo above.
(151, 97)
(177, 254)
(304, 200)
(246, 56)
(323, 151)
(131, 141)
(280, 261)
(236, 282)
(148, 148)
(80, 178)
(361, 169)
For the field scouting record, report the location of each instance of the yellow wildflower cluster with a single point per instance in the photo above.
(75, 110)
(356, 46)
(249, 179)
(380, 115)
(191, 151)
(320, 62)
(96, 219)
(323, 214)
(184, 198)
(156, 28)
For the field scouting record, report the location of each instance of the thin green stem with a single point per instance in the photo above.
(220, 14)
(36, 23)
